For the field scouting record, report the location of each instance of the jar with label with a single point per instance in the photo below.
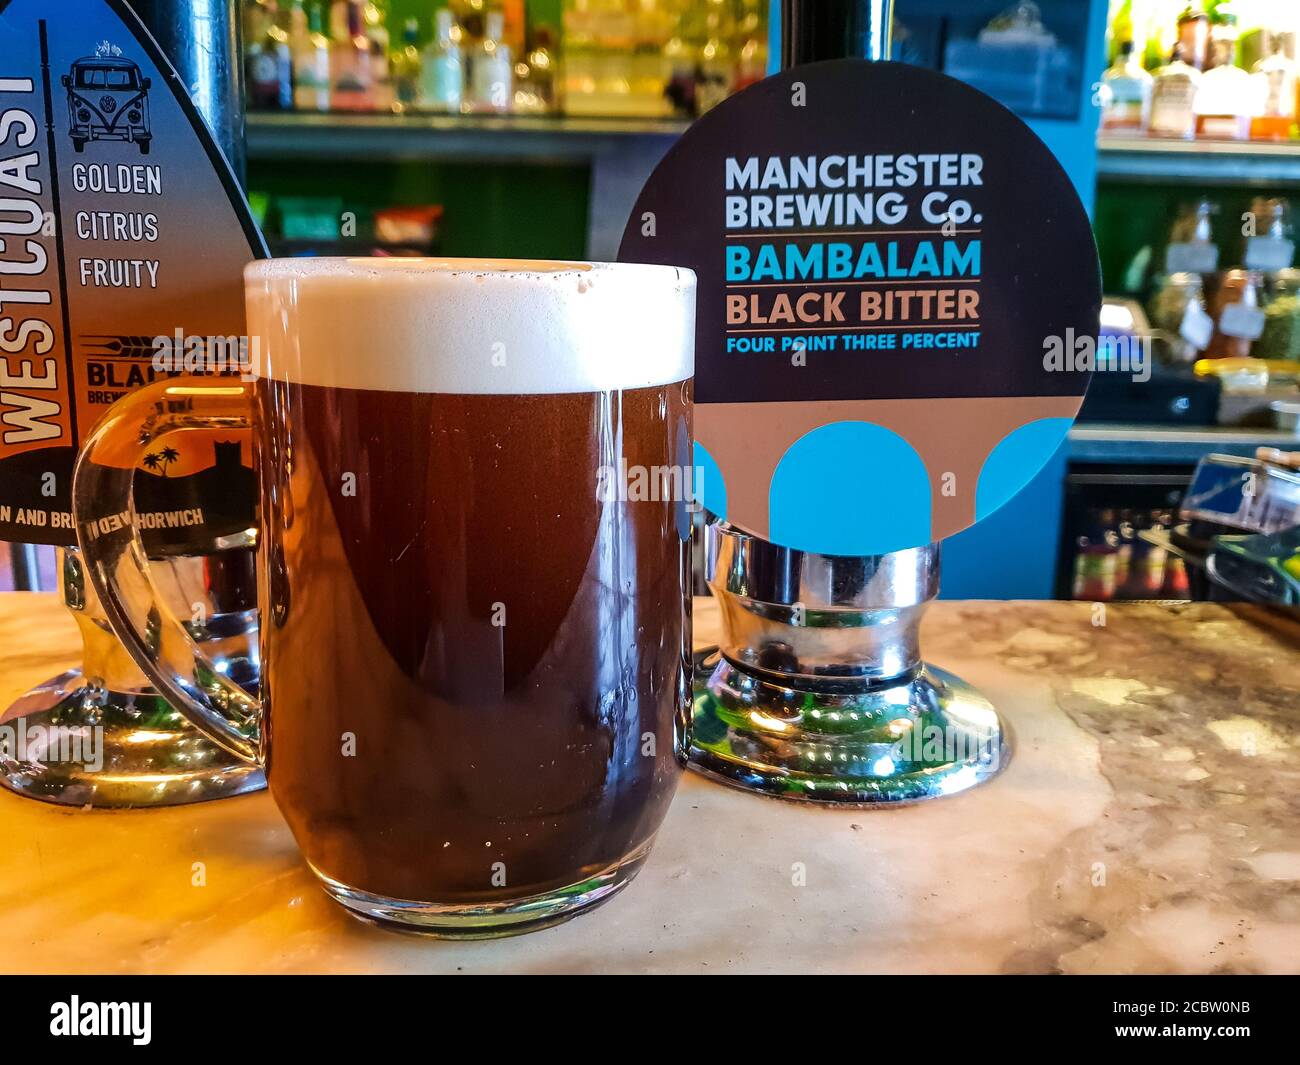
(1191, 248)
(1238, 314)
(1281, 336)
(1269, 244)
(1178, 313)
(1173, 98)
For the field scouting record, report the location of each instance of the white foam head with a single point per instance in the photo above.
(471, 326)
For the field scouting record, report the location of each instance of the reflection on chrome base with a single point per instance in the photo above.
(818, 691)
(101, 736)
(489, 920)
(924, 736)
(78, 744)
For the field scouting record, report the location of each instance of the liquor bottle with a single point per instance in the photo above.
(1239, 316)
(375, 17)
(442, 76)
(254, 18)
(269, 65)
(491, 73)
(535, 76)
(1193, 37)
(407, 67)
(1225, 101)
(1173, 98)
(1277, 88)
(515, 31)
(1191, 248)
(354, 86)
(1270, 244)
(311, 61)
(751, 48)
(1126, 99)
(298, 22)
(682, 57)
(717, 71)
(338, 20)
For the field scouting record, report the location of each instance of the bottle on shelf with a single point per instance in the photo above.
(1126, 96)
(1173, 98)
(1225, 101)
(751, 46)
(254, 17)
(310, 49)
(268, 66)
(1239, 316)
(374, 15)
(1269, 247)
(1277, 79)
(1281, 337)
(491, 72)
(682, 56)
(515, 25)
(407, 66)
(354, 81)
(717, 71)
(1191, 248)
(297, 22)
(1193, 45)
(442, 74)
(536, 76)
(338, 19)
(375, 18)
(1178, 312)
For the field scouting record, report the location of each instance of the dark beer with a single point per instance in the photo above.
(476, 646)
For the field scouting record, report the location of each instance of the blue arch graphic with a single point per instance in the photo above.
(708, 485)
(850, 488)
(1014, 462)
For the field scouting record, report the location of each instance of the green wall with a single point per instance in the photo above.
(516, 211)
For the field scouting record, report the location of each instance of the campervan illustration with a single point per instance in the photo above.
(108, 99)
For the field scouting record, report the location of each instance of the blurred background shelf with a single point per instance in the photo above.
(530, 172)
(561, 139)
(458, 138)
(1160, 444)
(1149, 160)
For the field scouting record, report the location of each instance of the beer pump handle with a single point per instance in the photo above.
(104, 516)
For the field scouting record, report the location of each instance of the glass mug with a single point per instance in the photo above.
(475, 648)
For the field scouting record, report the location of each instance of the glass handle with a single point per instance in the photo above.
(104, 516)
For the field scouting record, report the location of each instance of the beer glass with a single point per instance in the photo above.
(473, 574)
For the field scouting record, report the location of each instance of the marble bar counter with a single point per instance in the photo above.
(1149, 822)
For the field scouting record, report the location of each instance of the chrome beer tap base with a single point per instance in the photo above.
(818, 692)
(101, 736)
(76, 743)
(925, 736)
